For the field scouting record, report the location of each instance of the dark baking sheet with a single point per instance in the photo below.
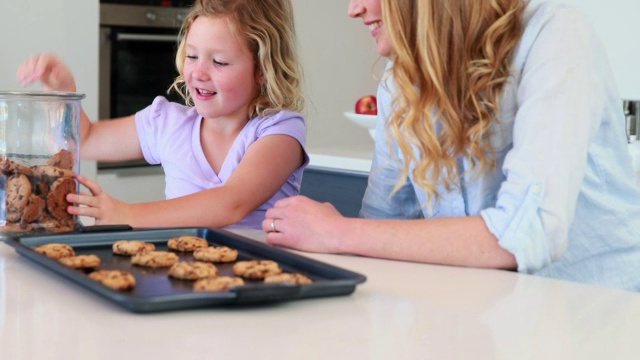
(156, 291)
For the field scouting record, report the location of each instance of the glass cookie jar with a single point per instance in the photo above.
(39, 158)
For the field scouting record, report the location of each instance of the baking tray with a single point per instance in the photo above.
(156, 291)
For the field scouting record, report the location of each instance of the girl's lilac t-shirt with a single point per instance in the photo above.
(170, 135)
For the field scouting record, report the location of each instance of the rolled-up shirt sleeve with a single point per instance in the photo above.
(559, 105)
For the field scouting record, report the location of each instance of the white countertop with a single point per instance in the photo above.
(352, 157)
(403, 311)
(357, 157)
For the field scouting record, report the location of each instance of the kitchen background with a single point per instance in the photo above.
(339, 61)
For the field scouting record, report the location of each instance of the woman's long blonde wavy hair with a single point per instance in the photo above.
(268, 27)
(451, 60)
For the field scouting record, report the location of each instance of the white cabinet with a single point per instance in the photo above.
(343, 189)
(134, 185)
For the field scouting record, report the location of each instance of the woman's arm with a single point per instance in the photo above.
(464, 241)
(461, 241)
(307, 225)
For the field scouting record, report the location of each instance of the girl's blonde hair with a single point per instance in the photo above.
(451, 60)
(268, 27)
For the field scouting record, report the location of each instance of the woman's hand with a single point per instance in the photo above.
(303, 224)
(48, 69)
(98, 205)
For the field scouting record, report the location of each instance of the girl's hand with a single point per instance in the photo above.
(98, 205)
(304, 224)
(48, 69)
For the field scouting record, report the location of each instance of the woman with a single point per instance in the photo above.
(500, 144)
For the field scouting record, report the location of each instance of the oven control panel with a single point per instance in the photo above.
(142, 16)
(163, 3)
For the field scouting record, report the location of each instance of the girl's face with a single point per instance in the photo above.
(371, 13)
(219, 70)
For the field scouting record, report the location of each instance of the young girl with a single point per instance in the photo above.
(238, 145)
(500, 142)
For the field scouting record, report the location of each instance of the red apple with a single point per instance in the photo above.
(367, 105)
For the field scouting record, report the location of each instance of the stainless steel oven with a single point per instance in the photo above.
(138, 41)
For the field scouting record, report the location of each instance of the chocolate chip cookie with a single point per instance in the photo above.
(192, 270)
(115, 279)
(51, 224)
(57, 198)
(288, 278)
(48, 171)
(33, 210)
(81, 261)
(9, 167)
(256, 269)
(187, 243)
(220, 283)
(131, 247)
(62, 159)
(55, 251)
(216, 254)
(18, 190)
(155, 259)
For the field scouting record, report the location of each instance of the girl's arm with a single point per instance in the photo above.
(111, 140)
(114, 140)
(265, 167)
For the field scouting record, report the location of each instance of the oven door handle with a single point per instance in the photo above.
(146, 37)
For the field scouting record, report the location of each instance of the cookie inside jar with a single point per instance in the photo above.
(39, 159)
(34, 197)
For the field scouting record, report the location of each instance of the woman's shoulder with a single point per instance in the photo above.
(554, 27)
(540, 12)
